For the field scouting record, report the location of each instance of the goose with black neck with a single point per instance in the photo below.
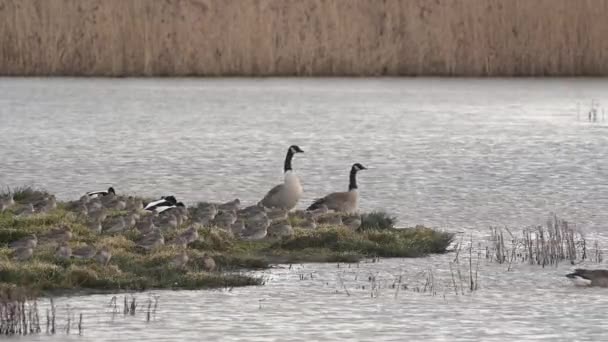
(344, 202)
(285, 196)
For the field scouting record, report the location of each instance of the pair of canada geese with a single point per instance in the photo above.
(286, 196)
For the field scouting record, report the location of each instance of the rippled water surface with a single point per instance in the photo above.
(458, 154)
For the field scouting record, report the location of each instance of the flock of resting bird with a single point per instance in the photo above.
(269, 217)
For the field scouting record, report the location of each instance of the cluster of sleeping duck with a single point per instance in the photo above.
(269, 217)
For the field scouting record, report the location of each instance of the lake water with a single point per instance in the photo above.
(457, 154)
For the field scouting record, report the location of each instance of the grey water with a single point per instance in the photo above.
(455, 154)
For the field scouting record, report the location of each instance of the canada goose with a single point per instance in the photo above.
(103, 256)
(280, 229)
(84, 252)
(346, 202)
(164, 201)
(23, 253)
(30, 241)
(286, 195)
(208, 263)
(63, 251)
(180, 260)
(114, 225)
(583, 277)
(101, 193)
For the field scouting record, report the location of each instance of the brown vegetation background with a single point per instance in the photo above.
(304, 37)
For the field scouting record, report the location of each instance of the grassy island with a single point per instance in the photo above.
(132, 267)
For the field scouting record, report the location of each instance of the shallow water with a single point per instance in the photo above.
(459, 154)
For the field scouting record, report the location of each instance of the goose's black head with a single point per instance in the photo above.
(295, 149)
(111, 191)
(358, 167)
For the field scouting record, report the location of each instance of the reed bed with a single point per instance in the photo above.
(558, 241)
(303, 38)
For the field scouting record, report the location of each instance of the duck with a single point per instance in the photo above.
(256, 227)
(330, 219)
(63, 251)
(45, 205)
(353, 222)
(94, 225)
(23, 210)
(275, 214)
(187, 237)
(59, 235)
(583, 277)
(166, 221)
(233, 205)
(103, 256)
(208, 264)
(180, 260)
(280, 229)
(344, 202)
(164, 201)
(146, 224)
(151, 240)
(134, 204)
(22, 253)
(114, 225)
(30, 241)
(6, 202)
(286, 195)
(102, 193)
(84, 252)
(224, 219)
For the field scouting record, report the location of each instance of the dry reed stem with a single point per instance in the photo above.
(294, 37)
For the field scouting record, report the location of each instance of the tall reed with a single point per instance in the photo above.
(294, 37)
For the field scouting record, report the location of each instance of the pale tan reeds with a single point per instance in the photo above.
(312, 37)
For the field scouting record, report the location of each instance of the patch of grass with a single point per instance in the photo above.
(377, 220)
(27, 194)
(132, 268)
(413, 242)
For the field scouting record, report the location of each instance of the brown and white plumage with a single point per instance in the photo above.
(285, 196)
(344, 202)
